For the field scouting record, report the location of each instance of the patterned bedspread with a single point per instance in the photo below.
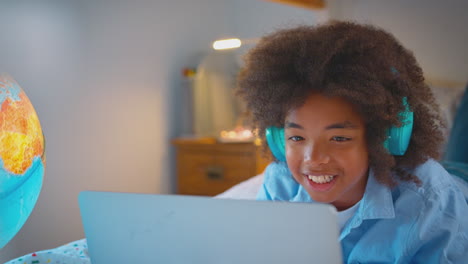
(72, 253)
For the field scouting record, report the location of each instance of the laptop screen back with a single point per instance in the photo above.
(150, 228)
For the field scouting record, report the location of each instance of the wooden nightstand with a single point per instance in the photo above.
(207, 167)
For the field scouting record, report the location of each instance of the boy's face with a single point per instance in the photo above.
(326, 150)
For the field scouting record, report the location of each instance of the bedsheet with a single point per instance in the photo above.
(72, 253)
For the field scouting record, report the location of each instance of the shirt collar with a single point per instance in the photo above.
(377, 202)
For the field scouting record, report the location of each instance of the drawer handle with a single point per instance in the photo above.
(214, 173)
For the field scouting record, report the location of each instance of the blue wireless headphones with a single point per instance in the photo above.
(396, 143)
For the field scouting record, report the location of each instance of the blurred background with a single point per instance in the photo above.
(108, 79)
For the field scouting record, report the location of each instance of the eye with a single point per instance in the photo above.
(296, 138)
(340, 139)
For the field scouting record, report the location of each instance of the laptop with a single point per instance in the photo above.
(177, 229)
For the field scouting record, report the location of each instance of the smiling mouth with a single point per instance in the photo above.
(320, 179)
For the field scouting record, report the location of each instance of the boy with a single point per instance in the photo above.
(352, 123)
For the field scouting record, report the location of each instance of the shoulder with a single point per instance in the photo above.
(438, 191)
(278, 183)
(436, 182)
(275, 173)
(438, 209)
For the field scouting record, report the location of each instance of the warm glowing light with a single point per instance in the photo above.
(227, 44)
(239, 134)
(224, 134)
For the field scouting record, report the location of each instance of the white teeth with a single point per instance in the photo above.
(321, 178)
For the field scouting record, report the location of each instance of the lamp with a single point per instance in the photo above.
(22, 158)
(231, 43)
(240, 131)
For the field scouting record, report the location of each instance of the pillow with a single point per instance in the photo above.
(457, 146)
(448, 97)
(245, 190)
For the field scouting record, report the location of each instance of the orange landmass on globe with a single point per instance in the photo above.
(21, 137)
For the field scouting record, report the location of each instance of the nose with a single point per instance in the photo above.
(316, 154)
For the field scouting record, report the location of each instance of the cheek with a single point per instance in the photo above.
(294, 159)
(362, 154)
(355, 160)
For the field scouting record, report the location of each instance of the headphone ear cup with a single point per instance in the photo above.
(399, 137)
(276, 142)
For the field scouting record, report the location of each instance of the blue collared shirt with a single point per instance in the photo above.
(407, 224)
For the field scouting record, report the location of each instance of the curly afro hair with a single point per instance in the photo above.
(361, 63)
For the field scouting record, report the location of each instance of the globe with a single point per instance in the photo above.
(22, 158)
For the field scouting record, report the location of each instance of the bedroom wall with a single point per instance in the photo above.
(101, 75)
(253, 19)
(104, 77)
(434, 30)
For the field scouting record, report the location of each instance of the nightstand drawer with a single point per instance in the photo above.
(211, 168)
(210, 175)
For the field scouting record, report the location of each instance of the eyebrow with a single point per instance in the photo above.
(340, 125)
(345, 124)
(292, 125)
